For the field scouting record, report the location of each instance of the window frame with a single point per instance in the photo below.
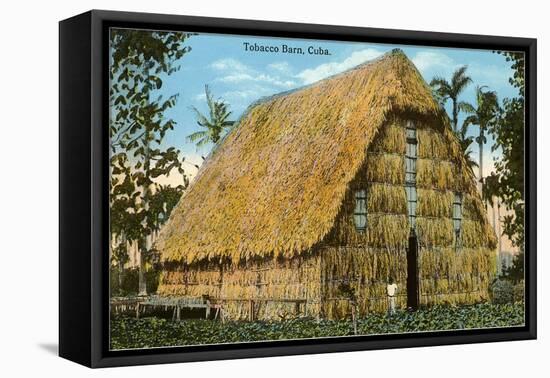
(458, 217)
(411, 159)
(360, 195)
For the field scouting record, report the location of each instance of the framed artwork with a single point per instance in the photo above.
(234, 188)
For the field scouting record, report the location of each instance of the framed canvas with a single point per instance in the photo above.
(234, 188)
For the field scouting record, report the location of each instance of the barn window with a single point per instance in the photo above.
(457, 217)
(410, 172)
(360, 213)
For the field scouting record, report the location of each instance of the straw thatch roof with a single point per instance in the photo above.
(276, 183)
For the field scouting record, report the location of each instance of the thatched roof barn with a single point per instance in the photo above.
(324, 185)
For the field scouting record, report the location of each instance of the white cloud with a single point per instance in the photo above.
(235, 78)
(325, 70)
(492, 75)
(251, 93)
(244, 94)
(200, 97)
(425, 60)
(242, 77)
(282, 67)
(228, 64)
(275, 81)
(431, 63)
(237, 72)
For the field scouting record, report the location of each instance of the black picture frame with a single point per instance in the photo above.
(83, 181)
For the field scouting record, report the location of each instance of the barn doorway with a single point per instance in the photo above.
(412, 272)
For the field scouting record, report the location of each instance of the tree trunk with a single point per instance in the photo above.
(480, 144)
(493, 210)
(499, 234)
(142, 290)
(144, 246)
(455, 116)
(120, 272)
(494, 215)
(120, 266)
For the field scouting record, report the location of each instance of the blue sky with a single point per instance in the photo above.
(240, 77)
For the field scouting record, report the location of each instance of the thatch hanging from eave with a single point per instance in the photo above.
(276, 183)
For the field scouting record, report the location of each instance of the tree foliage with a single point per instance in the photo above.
(466, 141)
(444, 90)
(450, 90)
(517, 59)
(215, 124)
(515, 272)
(484, 114)
(507, 181)
(139, 61)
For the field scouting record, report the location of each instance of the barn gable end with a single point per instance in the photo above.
(452, 270)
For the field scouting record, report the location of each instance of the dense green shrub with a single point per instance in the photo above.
(126, 283)
(152, 278)
(519, 291)
(502, 291)
(128, 332)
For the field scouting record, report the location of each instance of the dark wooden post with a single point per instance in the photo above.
(251, 310)
(412, 272)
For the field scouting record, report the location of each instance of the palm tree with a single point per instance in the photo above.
(482, 116)
(465, 143)
(489, 185)
(215, 124)
(444, 90)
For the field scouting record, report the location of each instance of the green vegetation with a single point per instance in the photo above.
(484, 115)
(444, 90)
(503, 290)
(507, 181)
(140, 61)
(215, 124)
(128, 333)
(505, 122)
(125, 282)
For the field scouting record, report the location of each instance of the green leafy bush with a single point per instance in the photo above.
(152, 278)
(126, 283)
(519, 291)
(128, 332)
(502, 291)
